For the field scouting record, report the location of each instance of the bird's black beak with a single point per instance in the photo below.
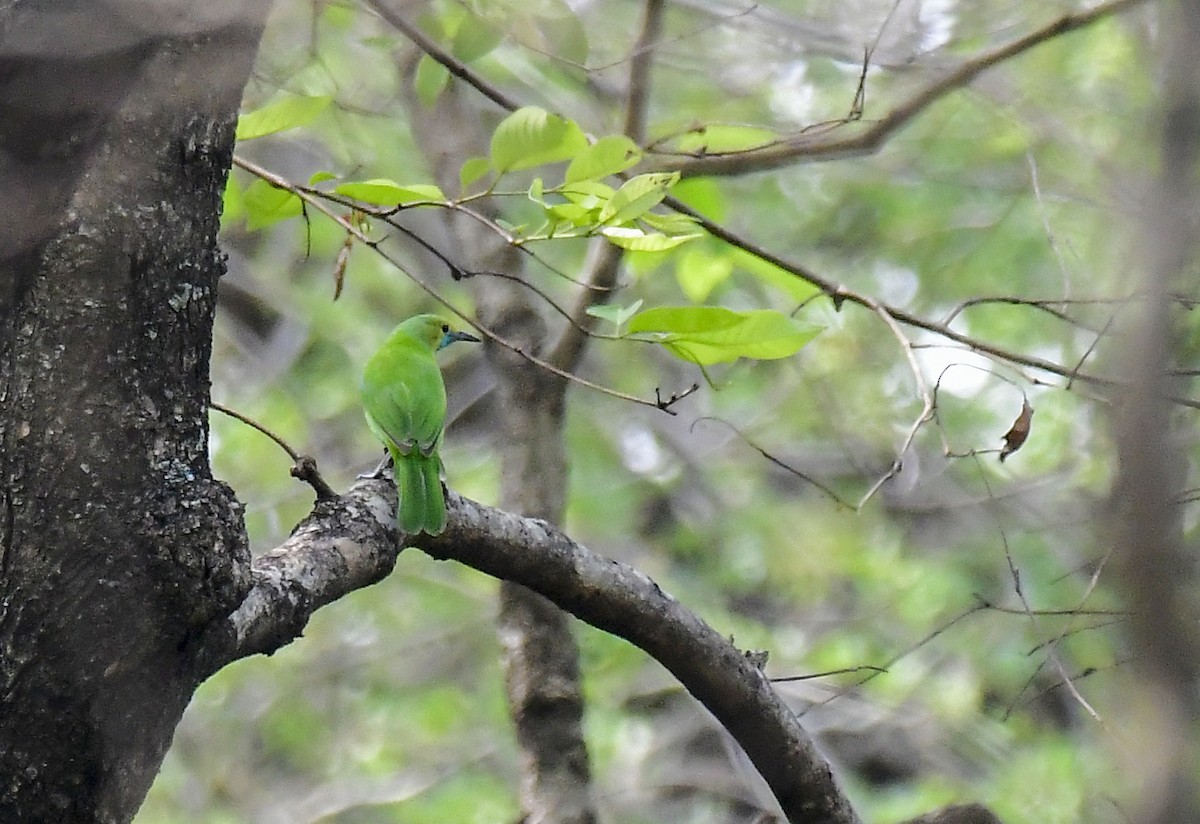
(451, 337)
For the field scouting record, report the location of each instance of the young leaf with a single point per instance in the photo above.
(608, 156)
(281, 115)
(430, 80)
(634, 239)
(474, 39)
(264, 204)
(473, 169)
(614, 314)
(670, 224)
(384, 192)
(699, 272)
(572, 213)
(711, 334)
(637, 196)
(791, 285)
(589, 194)
(720, 137)
(536, 192)
(531, 137)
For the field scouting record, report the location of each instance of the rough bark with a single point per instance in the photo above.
(116, 545)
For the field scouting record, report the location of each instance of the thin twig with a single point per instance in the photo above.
(1045, 215)
(779, 462)
(1052, 654)
(840, 295)
(308, 197)
(451, 63)
(304, 467)
(813, 675)
(874, 136)
(928, 406)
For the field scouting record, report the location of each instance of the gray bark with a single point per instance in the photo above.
(116, 545)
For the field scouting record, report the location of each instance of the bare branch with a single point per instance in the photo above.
(351, 542)
(638, 94)
(345, 544)
(304, 467)
(619, 599)
(840, 295)
(870, 139)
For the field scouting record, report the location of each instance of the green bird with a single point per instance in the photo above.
(404, 399)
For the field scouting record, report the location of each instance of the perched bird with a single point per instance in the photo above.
(405, 404)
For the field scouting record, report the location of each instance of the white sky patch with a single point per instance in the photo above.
(792, 95)
(966, 373)
(895, 285)
(937, 23)
(640, 451)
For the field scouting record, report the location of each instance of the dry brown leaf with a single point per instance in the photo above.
(1015, 437)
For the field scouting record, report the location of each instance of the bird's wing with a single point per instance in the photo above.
(404, 399)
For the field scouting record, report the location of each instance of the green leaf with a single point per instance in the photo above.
(614, 314)
(281, 115)
(536, 192)
(637, 196)
(699, 272)
(473, 169)
(572, 213)
(548, 26)
(531, 137)
(712, 334)
(637, 240)
(233, 209)
(671, 224)
(339, 17)
(384, 192)
(702, 194)
(430, 80)
(608, 156)
(588, 193)
(562, 31)
(265, 204)
(474, 39)
(797, 289)
(719, 137)
(321, 177)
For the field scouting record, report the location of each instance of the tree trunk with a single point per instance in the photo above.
(116, 545)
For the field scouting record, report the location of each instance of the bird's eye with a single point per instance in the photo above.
(445, 328)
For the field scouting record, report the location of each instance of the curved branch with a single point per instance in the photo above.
(840, 294)
(352, 542)
(870, 139)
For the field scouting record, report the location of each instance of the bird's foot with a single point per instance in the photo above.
(379, 472)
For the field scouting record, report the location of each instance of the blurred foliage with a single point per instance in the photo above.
(391, 707)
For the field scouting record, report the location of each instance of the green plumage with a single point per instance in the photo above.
(405, 403)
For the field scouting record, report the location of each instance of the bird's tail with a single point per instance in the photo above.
(418, 481)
